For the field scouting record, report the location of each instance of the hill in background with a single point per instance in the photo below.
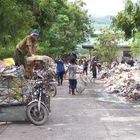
(100, 22)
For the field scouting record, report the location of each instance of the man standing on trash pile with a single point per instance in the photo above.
(24, 47)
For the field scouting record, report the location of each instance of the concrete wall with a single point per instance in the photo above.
(125, 48)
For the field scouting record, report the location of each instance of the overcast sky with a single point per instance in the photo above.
(104, 7)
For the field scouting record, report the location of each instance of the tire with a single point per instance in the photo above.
(52, 90)
(35, 116)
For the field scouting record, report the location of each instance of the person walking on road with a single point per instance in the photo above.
(93, 68)
(60, 70)
(72, 69)
(85, 67)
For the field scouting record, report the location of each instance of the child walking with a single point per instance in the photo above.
(72, 68)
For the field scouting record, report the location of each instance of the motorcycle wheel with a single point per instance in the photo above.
(52, 90)
(35, 116)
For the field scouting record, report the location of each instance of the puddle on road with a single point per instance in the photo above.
(106, 97)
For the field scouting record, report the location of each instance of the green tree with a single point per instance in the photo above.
(106, 46)
(128, 20)
(135, 46)
(62, 24)
(16, 19)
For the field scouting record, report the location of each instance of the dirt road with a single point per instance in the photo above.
(92, 115)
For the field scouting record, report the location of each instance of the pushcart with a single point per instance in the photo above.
(21, 99)
(40, 68)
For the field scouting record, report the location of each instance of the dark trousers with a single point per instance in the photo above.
(94, 72)
(60, 77)
(19, 58)
(72, 83)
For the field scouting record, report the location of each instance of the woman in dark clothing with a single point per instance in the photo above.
(93, 68)
(85, 67)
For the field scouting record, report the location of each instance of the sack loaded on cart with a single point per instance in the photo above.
(42, 68)
(22, 99)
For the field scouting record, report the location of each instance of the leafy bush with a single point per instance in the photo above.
(7, 52)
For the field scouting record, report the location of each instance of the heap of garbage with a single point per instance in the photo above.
(7, 68)
(123, 80)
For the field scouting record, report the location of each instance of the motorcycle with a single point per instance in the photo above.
(48, 82)
(20, 100)
(38, 110)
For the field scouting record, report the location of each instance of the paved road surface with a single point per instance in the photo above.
(91, 115)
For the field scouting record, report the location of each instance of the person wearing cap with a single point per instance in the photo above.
(26, 47)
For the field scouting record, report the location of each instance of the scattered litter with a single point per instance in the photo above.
(123, 81)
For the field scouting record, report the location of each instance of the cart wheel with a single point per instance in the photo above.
(52, 90)
(35, 116)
